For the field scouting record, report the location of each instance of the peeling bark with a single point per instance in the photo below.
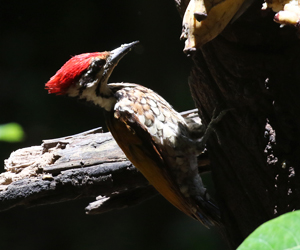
(73, 167)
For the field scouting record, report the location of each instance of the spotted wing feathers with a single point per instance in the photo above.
(156, 140)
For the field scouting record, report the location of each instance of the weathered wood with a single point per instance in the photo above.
(83, 165)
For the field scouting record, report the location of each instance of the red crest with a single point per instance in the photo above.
(71, 71)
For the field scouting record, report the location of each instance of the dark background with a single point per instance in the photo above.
(36, 39)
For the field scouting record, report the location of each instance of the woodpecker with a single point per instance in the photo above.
(159, 142)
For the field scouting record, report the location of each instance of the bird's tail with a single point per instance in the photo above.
(208, 212)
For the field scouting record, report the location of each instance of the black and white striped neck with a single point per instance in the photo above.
(95, 92)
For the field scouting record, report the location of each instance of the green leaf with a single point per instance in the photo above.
(11, 132)
(281, 233)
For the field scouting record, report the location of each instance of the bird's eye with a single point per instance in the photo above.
(98, 63)
(91, 74)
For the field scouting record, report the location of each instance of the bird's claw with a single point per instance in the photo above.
(211, 128)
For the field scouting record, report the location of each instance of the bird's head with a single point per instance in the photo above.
(86, 75)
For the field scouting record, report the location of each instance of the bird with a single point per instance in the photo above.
(158, 141)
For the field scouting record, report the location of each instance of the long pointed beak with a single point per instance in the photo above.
(114, 57)
(118, 53)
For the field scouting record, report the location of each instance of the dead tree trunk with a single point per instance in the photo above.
(253, 69)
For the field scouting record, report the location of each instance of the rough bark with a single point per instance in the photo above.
(252, 67)
(89, 164)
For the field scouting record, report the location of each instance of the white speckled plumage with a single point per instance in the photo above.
(168, 129)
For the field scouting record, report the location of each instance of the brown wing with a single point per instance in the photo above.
(141, 150)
